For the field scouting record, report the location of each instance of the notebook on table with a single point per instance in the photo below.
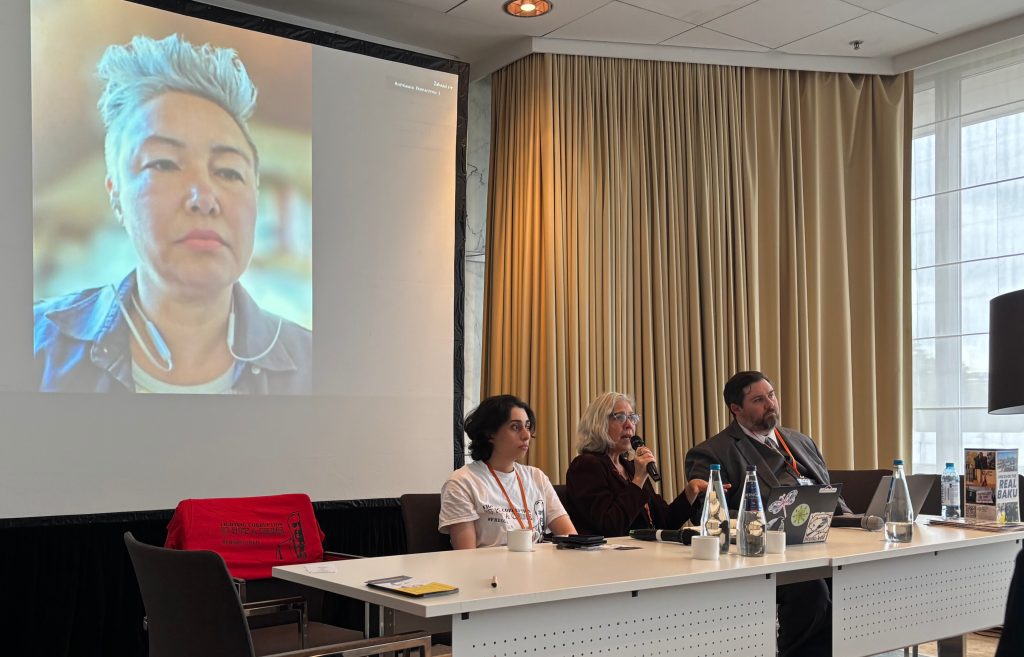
(803, 512)
(413, 587)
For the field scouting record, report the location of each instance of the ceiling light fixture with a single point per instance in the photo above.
(528, 8)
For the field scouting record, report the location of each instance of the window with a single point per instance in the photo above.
(967, 226)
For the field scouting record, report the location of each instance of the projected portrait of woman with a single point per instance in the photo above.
(182, 177)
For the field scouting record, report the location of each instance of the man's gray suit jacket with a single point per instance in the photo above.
(734, 451)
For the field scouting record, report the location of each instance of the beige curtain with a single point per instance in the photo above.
(654, 227)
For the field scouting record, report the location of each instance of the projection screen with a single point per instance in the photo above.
(260, 230)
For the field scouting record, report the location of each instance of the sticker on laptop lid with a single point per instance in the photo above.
(817, 527)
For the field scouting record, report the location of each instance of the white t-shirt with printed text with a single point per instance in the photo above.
(472, 495)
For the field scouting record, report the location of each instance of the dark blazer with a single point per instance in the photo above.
(735, 450)
(1011, 643)
(599, 501)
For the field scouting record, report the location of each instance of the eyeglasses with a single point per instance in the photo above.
(516, 426)
(622, 417)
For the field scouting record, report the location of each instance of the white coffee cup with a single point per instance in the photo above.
(776, 542)
(705, 548)
(520, 540)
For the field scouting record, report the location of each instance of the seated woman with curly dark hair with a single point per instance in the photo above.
(493, 494)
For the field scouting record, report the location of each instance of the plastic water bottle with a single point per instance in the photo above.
(750, 536)
(899, 514)
(950, 493)
(714, 519)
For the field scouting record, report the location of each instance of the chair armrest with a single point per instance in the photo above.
(276, 606)
(340, 556)
(409, 641)
(291, 605)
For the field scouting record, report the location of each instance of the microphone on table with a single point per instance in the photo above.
(664, 535)
(871, 523)
(652, 470)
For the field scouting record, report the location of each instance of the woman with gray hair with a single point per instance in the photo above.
(182, 179)
(610, 494)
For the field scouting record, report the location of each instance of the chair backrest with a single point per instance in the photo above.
(858, 486)
(420, 512)
(562, 491)
(191, 605)
(252, 534)
(563, 495)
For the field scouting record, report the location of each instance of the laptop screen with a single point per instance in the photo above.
(919, 486)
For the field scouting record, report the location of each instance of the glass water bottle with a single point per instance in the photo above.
(714, 519)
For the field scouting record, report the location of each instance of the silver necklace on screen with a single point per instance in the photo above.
(164, 351)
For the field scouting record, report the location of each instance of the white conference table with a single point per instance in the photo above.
(946, 583)
(657, 600)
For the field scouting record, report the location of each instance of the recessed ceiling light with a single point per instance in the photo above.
(528, 8)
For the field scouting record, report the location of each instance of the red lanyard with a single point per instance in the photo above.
(792, 459)
(522, 492)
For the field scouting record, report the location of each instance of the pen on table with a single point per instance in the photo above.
(494, 582)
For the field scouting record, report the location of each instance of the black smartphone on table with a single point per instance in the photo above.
(578, 540)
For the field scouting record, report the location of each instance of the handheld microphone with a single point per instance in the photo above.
(871, 523)
(664, 535)
(652, 469)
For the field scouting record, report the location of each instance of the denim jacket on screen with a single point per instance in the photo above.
(83, 344)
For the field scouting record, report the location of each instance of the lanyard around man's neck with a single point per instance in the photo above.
(791, 462)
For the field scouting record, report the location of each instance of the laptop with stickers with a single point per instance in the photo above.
(803, 512)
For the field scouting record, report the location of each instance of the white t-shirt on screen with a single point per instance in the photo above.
(472, 495)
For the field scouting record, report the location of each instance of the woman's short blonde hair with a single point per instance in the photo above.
(592, 432)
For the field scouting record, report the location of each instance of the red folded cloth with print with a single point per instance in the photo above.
(252, 534)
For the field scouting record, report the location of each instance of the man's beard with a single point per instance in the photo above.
(768, 421)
